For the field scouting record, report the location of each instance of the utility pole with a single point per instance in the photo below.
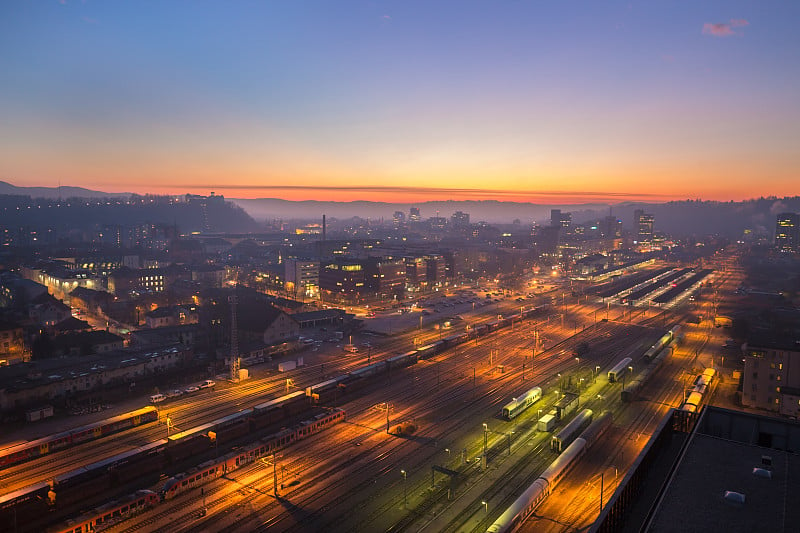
(234, 368)
(601, 491)
(274, 474)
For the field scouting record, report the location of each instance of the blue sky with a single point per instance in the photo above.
(522, 100)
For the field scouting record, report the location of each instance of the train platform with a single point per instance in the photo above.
(499, 468)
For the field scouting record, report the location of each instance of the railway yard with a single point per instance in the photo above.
(408, 434)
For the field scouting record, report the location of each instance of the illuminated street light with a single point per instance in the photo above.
(405, 500)
(485, 506)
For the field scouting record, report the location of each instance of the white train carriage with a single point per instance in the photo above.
(619, 370)
(533, 496)
(560, 441)
(518, 405)
(596, 429)
(693, 403)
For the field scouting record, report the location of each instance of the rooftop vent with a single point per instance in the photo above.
(766, 460)
(762, 472)
(734, 497)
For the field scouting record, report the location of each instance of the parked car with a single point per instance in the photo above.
(190, 390)
(207, 384)
(157, 398)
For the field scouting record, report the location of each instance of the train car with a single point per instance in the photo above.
(402, 360)
(101, 476)
(534, 495)
(427, 351)
(560, 441)
(516, 406)
(35, 448)
(676, 333)
(493, 326)
(632, 389)
(114, 424)
(64, 439)
(709, 374)
(619, 369)
(481, 330)
(277, 409)
(326, 391)
(455, 340)
(367, 371)
(232, 427)
(188, 443)
(23, 505)
(111, 513)
(213, 469)
(692, 404)
(597, 428)
(658, 345)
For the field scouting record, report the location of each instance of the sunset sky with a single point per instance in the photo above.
(544, 101)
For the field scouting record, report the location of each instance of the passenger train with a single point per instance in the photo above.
(114, 512)
(701, 384)
(534, 495)
(36, 448)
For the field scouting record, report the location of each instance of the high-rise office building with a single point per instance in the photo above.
(399, 219)
(413, 215)
(459, 219)
(643, 223)
(787, 232)
(559, 219)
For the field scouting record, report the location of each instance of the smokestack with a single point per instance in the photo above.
(323, 228)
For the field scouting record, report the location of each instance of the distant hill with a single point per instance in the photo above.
(479, 210)
(57, 192)
(682, 218)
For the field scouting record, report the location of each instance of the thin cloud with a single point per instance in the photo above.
(423, 190)
(724, 29)
(88, 20)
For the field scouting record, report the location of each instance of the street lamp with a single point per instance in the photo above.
(485, 436)
(405, 499)
(596, 373)
(485, 506)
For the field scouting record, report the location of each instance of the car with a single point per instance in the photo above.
(174, 393)
(207, 384)
(190, 390)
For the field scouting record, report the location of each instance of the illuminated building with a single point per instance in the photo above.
(787, 232)
(302, 277)
(771, 375)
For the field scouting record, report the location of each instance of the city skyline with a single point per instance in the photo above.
(559, 104)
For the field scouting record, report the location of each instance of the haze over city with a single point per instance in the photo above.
(549, 102)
